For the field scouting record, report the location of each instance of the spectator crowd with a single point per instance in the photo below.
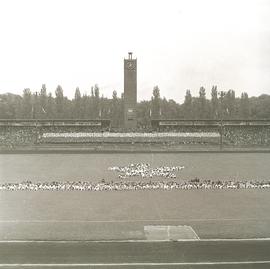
(17, 136)
(244, 136)
(129, 137)
(11, 137)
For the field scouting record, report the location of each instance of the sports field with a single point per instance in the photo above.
(124, 215)
(134, 229)
(42, 167)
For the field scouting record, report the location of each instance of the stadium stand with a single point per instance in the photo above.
(233, 132)
(14, 133)
(107, 137)
(10, 137)
(247, 135)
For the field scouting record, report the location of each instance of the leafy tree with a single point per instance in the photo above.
(244, 106)
(214, 103)
(59, 102)
(188, 113)
(51, 110)
(35, 106)
(121, 109)
(43, 102)
(222, 105)
(260, 106)
(230, 104)
(170, 109)
(155, 107)
(10, 106)
(202, 103)
(86, 107)
(143, 115)
(96, 109)
(67, 108)
(27, 108)
(115, 110)
(78, 104)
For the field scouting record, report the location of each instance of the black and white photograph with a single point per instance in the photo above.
(135, 134)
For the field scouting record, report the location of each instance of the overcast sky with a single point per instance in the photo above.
(179, 45)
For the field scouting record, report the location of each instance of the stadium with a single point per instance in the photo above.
(180, 193)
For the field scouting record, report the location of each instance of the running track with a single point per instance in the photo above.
(186, 254)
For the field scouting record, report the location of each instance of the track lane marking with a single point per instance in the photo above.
(135, 220)
(139, 241)
(129, 264)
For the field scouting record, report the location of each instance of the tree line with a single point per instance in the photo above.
(222, 105)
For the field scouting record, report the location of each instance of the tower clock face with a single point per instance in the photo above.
(130, 65)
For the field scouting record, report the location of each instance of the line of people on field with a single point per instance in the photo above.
(133, 185)
(145, 171)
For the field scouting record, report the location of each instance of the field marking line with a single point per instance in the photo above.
(197, 237)
(134, 220)
(138, 240)
(129, 264)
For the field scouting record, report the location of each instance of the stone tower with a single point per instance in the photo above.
(130, 92)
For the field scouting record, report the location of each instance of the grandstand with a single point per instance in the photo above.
(19, 132)
(222, 133)
(231, 132)
(97, 123)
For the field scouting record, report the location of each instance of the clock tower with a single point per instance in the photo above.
(130, 92)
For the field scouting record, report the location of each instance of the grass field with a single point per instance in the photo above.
(42, 167)
(123, 215)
